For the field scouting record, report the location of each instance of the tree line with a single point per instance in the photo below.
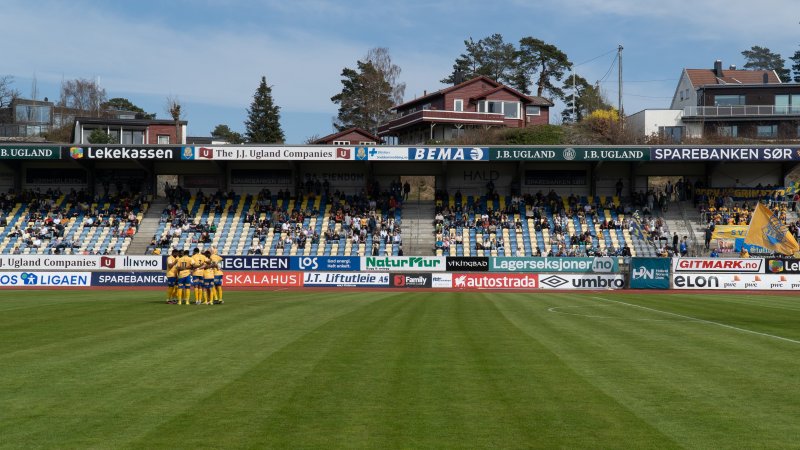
(372, 88)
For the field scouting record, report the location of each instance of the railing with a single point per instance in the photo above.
(740, 110)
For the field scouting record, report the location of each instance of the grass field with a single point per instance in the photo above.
(336, 369)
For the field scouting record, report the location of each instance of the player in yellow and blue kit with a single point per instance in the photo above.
(172, 277)
(198, 267)
(209, 293)
(184, 277)
(217, 262)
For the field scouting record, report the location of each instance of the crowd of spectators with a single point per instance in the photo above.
(46, 220)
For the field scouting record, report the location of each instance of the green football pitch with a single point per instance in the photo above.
(340, 369)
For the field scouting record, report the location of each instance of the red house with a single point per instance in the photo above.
(350, 136)
(478, 103)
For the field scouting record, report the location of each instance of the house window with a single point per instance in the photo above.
(729, 100)
(787, 104)
(341, 142)
(132, 137)
(510, 110)
(767, 131)
(458, 105)
(673, 134)
(728, 131)
(366, 143)
(531, 110)
(163, 139)
(426, 106)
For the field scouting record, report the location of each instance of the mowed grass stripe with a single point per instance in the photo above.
(123, 385)
(700, 384)
(415, 370)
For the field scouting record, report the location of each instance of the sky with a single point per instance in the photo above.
(211, 54)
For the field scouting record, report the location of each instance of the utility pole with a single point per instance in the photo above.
(619, 99)
(574, 88)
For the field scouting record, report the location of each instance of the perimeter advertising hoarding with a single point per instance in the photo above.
(442, 280)
(725, 154)
(495, 281)
(263, 279)
(404, 263)
(45, 279)
(235, 262)
(409, 280)
(650, 273)
(352, 279)
(543, 265)
(467, 264)
(138, 279)
(723, 281)
(718, 265)
(87, 262)
(569, 154)
(330, 263)
(783, 266)
(582, 281)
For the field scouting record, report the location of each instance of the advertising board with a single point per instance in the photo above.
(88, 262)
(729, 232)
(415, 280)
(718, 265)
(266, 153)
(45, 279)
(723, 281)
(724, 154)
(783, 265)
(495, 281)
(467, 264)
(263, 279)
(448, 153)
(236, 262)
(650, 273)
(569, 154)
(121, 152)
(138, 279)
(336, 279)
(30, 152)
(325, 263)
(543, 265)
(582, 281)
(442, 280)
(404, 263)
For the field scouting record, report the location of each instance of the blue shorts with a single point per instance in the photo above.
(185, 282)
(172, 281)
(208, 283)
(217, 280)
(197, 281)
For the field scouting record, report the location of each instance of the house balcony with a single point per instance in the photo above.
(740, 112)
(438, 116)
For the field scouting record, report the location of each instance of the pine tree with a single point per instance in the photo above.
(263, 117)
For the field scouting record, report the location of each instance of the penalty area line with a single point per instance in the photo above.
(743, 330)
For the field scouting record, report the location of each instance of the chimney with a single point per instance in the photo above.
(718, 68)
(765, 77)
(732, 67)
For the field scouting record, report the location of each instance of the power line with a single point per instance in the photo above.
(610, 68)
(596, 57)
(643, 81)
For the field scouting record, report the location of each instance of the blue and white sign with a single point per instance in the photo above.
(138, 279)
(336, 279)
(232, 262)
(448, 153)
(650, 273)
(45, 279)
(724, 154)
(324, 263)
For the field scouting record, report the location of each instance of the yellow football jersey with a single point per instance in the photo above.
(184, 266)
(172, 266)
(218, 264)
(198, 263)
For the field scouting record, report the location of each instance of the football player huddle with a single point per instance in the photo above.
(200, 272)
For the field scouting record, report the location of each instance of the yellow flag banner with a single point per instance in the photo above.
(729, 231)
(767, 231)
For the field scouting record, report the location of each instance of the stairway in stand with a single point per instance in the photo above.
(147, 228)
(417, 228)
